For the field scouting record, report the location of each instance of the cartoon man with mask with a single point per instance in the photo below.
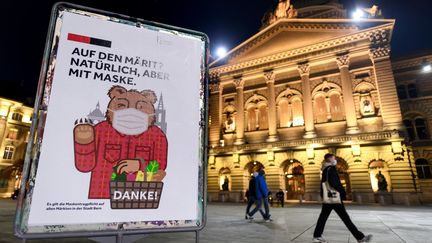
(127, 135)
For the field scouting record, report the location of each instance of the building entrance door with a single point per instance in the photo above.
(294, 180)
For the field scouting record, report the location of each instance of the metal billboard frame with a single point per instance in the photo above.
(38, 122)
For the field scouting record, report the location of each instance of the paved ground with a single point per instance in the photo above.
(294, 223)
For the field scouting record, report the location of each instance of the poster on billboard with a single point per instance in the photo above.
(119, 128)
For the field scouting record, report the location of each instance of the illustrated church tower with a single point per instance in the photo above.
(161, 115)
(96, 115)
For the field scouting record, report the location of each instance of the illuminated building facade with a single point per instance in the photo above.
(413, 78)
(310, 82)
(15, 122)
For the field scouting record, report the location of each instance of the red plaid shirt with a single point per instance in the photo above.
(110, 147)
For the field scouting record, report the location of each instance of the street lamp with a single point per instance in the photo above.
(426, 68)
(358, 14)
(221, 52)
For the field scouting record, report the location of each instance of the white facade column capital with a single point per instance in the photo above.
(343, 61)
(215, 87)
(239, 83)
(304, 69)
(269, 76)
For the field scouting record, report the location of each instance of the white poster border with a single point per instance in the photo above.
(21, 227)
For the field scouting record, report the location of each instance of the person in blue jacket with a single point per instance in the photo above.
(261, 196)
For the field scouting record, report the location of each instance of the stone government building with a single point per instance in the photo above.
(314, 81)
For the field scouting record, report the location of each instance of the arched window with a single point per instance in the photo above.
(256, 113)
(327, 102)
(336, 107)
(410, 129)
(320, 109)
(423, 169)
(421, 128)
(252, 119)
(412, 90)
(401, 90)
(252, 167)
(417, 128)
(290, 108)
(8, 152)
(297, 110)
(262, 117)
(285, 114)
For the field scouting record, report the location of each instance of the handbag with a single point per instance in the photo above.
(330, 195)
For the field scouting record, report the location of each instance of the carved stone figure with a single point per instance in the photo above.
(367, 107)
(225, 185)
(373, 12)
(382, 182)
(229, 123)
(292, 13)
(282, 8)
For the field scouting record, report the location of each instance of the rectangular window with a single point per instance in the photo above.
(12, 134)
(17, 116)
(8, 153)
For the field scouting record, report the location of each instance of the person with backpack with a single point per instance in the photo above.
(332, 200)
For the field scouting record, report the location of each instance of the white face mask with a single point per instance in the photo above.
(130, 121)
(334, 162)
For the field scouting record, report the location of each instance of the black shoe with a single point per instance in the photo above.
(367, 238)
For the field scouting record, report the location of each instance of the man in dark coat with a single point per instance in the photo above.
(330, 174)
(280, 197)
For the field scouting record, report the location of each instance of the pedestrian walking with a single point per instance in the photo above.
(280, 197)
(261, 193)
(333, 193)
(251, 196)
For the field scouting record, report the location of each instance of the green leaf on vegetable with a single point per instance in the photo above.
(153, 167)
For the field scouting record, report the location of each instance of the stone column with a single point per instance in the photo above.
(347, 93)
(389, 101)
(215, 111)
(221, 107)
(270, 79)
(273, 179)
(239, 83)
(307, 101)
(312, 183)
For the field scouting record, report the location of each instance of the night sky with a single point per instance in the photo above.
(226, 22)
